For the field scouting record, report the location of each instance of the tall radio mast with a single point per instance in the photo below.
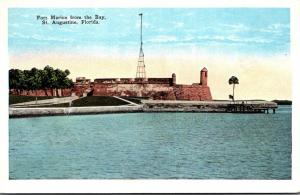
(140, 71)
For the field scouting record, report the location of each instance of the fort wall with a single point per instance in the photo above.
(168, 81)
(192, 92)
(154, 88)
(43, 92)
(155, 91)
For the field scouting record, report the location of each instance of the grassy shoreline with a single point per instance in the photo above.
(97, 101)
(15, 99)
(82, 102)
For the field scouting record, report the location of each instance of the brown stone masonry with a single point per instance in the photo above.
(154, 88)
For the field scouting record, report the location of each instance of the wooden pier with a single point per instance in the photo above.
(251, 107)
(209, 106)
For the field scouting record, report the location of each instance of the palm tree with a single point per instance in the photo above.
(233, 80)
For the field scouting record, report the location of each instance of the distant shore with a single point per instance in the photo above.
(283, 102)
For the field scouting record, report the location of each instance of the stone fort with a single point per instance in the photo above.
(152, 88)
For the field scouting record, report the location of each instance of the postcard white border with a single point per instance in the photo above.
(149, 186)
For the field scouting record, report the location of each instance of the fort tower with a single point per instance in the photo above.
(173, 79)
(140, 71)
(203, 77)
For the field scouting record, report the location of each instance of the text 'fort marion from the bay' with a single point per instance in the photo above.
(71, 19)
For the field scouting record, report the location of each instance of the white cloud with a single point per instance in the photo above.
(277, 28)
(188, 38)
(160, 29)
(15, 25)
(145, 25)
(190, 14)
(48, 38)
(25, 16)
(21, 25)
(163, 39)
(234, 39)
(236, 27)
(40, 38)
(68, 29)
(178, 24)
(27, 24)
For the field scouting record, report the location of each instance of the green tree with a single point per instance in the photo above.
(51, 79)
(37, 79)
(47, 74)
(67, 83)
(27, 81)
(16, 80)
(233, 80)
(62, 80)
(12, 79)
(60, 75)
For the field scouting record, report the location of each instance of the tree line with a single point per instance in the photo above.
(39, 79)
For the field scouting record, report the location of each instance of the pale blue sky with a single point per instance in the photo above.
(246, 42)
(237, 30)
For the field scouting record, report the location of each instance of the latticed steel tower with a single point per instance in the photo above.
(141, 71)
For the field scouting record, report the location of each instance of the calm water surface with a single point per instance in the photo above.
(152, 145)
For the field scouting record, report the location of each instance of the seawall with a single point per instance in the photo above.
(153, 106)
(31, 112)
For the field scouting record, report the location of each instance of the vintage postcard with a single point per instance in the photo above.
(156, 97)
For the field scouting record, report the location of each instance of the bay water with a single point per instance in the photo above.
(152, 146)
